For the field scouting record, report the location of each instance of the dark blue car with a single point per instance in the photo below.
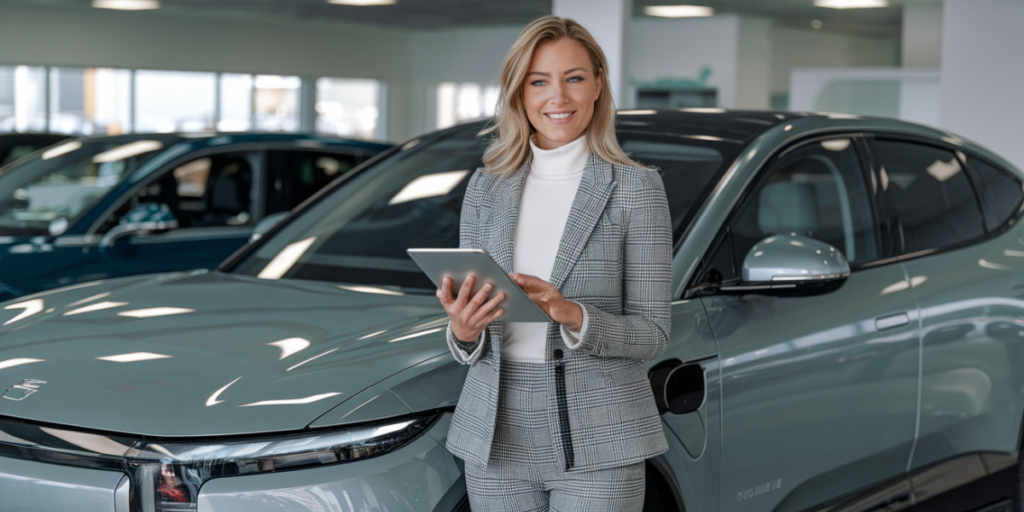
(110, 206)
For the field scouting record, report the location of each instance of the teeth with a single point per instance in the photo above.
(560, 116)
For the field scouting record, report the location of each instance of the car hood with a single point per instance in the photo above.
(194, 354)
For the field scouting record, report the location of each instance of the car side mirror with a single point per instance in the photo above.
(785, 264)
(678, 388)
(141, 219)
(267, 224)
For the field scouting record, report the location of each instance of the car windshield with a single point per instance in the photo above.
(359, 233)
(67, 179)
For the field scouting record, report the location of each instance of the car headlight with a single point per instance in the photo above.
(167, 475)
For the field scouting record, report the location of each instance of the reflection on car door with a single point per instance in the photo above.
(967, 271)
(819, 393)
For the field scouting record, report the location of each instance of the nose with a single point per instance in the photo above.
(558, 93)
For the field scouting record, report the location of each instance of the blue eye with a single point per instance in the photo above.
(576, 79)
(537, 82)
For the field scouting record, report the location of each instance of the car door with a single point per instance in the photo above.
(964, 254)
(214, 199)
(818, 392)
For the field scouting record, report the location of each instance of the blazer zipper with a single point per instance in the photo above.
(563, 416)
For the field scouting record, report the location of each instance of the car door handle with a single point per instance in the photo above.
(890, 321)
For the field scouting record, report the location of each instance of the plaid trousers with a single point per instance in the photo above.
(524, 473)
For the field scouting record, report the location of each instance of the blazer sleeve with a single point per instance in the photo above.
(469, 238)
(642, 331)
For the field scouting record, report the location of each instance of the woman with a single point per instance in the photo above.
(561, 416)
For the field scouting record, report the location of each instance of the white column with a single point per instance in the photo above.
(982, 73)
(921, 41)
(606, 20)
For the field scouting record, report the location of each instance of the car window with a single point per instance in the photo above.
(413, 198)
(1001, 192)
(816, 190)
(214, 190)
(685, 171)
(67, 180)
(295, 175)
(934, 201)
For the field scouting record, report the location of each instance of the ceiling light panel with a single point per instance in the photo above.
(361, 3)
(126, 5)
(679, 11)
(851, 4)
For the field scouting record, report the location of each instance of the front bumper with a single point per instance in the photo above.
(421, 476)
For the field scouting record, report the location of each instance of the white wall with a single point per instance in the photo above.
(753, 66)
(793, 48)
(679, 48)
(921, 41)
(982, 73)
(453, 55)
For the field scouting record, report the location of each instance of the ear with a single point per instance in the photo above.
(598, 83)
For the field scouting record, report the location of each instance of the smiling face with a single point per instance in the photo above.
(559, 93)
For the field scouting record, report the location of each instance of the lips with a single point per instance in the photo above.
(560, 117)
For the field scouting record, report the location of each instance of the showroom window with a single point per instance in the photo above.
(174, 101)
(22, 98)
(276, 103)
(348, 107)
(90, 101)
(96, 101)
(458, 102)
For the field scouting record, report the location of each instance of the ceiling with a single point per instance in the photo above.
(428, 14)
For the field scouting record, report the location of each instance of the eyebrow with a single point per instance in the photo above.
(541, 73)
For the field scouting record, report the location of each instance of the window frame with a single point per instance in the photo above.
(698, 288)
(959, 153)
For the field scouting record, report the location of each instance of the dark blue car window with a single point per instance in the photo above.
(68, 179)
(359, 233)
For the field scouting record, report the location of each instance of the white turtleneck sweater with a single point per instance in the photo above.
(548, 195)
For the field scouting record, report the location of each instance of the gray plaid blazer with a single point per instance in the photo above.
(615, 260)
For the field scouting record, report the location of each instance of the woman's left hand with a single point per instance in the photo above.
(551, 301)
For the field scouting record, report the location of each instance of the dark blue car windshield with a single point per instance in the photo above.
(359, 233)
(68, 179)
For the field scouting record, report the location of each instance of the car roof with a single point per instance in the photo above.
(234, 138)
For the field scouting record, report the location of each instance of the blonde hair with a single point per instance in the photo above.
(510, 149)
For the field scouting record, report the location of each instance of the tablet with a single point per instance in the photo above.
(460, 263)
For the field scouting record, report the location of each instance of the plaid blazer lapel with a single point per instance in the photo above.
(507, 208)
(587, 207)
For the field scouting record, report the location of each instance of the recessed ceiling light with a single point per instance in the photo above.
(126, 5)
(361, 2)
(679, 11)
(851, 4)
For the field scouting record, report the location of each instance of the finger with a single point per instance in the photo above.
(487, 308)
(495, 315)
(445, 293)
(465, 290)
(481, 296)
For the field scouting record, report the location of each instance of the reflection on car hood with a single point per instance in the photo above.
(191, 354)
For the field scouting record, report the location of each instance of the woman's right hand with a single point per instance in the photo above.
(468, 316)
